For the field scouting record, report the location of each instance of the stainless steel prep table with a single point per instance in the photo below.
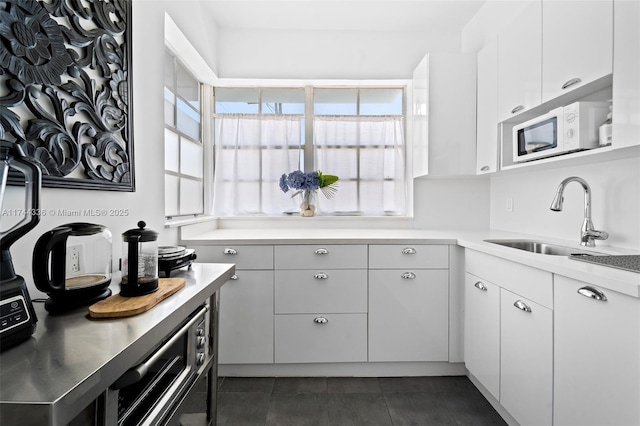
(71, 359)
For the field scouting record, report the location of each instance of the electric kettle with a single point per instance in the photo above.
(72, 264)
(139, 261)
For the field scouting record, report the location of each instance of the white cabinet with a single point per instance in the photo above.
(526, 354)
(246, 303)
(452, 114)
(626, 63)
(525, 342)
(246, 318)
(409, 304)
(482, 332)
(487, 110)
(577, 44)
(596, 355)
(520, 63)
(320, 303)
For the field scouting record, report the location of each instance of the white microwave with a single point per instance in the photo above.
(562, 130)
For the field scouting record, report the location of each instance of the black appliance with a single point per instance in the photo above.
(174, 257)
(17, 316)
(72, 264)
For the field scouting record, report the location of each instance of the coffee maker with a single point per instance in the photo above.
(17, 316)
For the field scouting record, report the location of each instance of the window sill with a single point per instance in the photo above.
(181, 221)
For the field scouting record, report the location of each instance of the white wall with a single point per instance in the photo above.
(615, 202)
(320, 54)
(147, 203)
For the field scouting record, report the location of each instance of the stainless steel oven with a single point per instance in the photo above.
(153, 391)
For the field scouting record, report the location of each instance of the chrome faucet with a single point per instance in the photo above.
(588, 234)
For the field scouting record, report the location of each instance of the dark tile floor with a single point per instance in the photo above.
(344, 401)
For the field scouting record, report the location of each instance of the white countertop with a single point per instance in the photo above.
(602, 276)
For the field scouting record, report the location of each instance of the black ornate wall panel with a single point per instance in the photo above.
(65, 89)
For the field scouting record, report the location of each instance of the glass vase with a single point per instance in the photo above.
(307, 208)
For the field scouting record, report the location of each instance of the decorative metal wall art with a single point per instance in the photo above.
(65, 89)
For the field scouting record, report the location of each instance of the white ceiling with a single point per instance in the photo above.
(339, 15)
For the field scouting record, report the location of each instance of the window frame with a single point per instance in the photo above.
(309, 115)
(173, 127)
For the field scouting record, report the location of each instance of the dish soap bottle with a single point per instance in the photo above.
(605, 130)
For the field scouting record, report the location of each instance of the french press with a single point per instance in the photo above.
(139, 264)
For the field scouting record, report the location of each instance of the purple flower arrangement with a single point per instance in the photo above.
(310, 181)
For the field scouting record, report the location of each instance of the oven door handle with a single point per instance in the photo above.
(135, 374)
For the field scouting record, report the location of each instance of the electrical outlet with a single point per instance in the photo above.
(509, 204)
(73, 258)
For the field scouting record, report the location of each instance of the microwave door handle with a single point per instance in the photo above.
(135, 374)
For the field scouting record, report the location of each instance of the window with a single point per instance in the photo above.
(183, 147)
(356, 133)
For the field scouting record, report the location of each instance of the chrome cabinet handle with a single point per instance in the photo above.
(321, 276)
(234, 277)
(485, 168)
(229, 250)
(522, 306)
(480, 286)
(320, 320)
(408, 275)
(517, 109)
(408, 250)
(571, 83)
(592, 293)
(321, 251)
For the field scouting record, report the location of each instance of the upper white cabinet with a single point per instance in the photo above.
(626, 66)
(487, 111)
(420, 126)
(520, 63)
(577, 44)
(596, 355)
(452, 114)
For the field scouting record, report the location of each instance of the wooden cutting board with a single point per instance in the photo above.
(117, 306)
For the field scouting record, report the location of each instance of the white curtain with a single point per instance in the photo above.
(368, 154)
(251, 153)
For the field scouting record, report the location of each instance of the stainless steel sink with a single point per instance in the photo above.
(540, 247)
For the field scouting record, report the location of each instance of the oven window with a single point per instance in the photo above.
(538, 137)
(137, 400)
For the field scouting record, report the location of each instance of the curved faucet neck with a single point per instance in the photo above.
(587, 195)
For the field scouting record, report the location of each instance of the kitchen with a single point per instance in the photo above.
(450, 197)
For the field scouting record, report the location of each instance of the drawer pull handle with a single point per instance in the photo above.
(480, 286)
(522, 306)
(321, 251)
(517, 109)
(229, 250)
(320, 320)
(234, 277)
(408, 275)
(485, 168)
(321, 276)
(409, 250)
(592, 293)
(571, 83)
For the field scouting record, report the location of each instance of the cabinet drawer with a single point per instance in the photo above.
(321, 257)
(244, 257)
(309, 338)
(328, 291)
(408, 256)
(532, 283)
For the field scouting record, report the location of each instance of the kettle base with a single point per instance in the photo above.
(57, 305)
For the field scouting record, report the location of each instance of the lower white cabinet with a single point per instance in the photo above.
(482, 332)
(408, 315)
(305, 338)
(246, 319)
(596, 355)
(526, 359)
